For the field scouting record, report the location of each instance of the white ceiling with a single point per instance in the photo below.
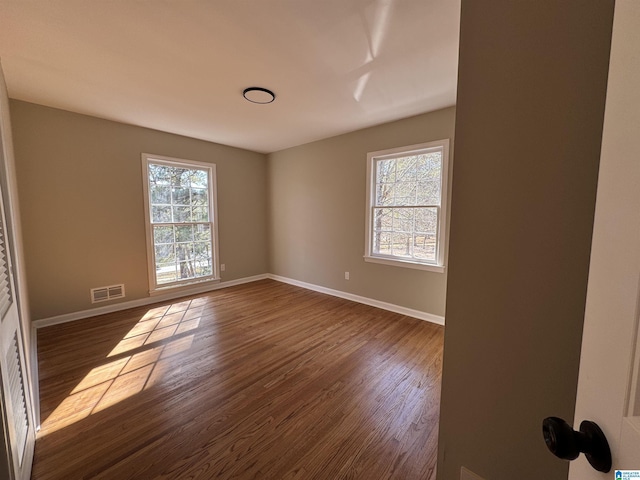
(181, 65)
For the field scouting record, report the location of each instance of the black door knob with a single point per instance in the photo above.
(564, 442)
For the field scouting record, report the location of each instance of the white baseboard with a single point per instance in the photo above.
(70, 317)
(365, 300)
(35, 377)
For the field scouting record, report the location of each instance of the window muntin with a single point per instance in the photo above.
(406, 208)
(180, 211)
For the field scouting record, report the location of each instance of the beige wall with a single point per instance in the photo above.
(317, 214)
(532, 82)
(80, 189)
(80, 185)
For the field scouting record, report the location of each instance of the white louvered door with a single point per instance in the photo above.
(15, 400)
(17, 422)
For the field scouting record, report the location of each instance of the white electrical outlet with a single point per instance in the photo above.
(222, 267)
(468, 475)
(346, 275)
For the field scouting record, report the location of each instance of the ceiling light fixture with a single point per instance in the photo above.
(258, 95)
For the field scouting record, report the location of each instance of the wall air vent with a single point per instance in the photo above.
(102, 294)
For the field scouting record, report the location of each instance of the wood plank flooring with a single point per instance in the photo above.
(258, 381)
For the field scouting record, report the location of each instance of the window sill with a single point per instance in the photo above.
(195, 286)
(405, 264)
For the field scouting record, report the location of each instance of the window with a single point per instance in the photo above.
(406, 206)
(180, 209)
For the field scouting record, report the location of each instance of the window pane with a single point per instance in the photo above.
(159, 175)
(160, 214)
(184, 251)
(429, 193)
(434, 160)
(405, 193)
(406, 169)
(187, 269)
(184, 233)
(166, 273)
(203, 269)
(199, 179)
(193, 260)
(403, 220)
(203, 259)
(401, 244)
(386, 171)
(164, 254)
(429, 167)
(426, 220)
(180, 196)
(179, 176)
(181, 214)
(202, 251)
(424, 247)
(382, 219)
(160, 194)
(199, 196)
(384, 194)
(162, 235)
(382, 243)
(200, 214)
(203, 232)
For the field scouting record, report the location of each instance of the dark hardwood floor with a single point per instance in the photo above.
(263, 380)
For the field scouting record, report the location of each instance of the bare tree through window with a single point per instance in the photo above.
(406, 204)
(181, 222)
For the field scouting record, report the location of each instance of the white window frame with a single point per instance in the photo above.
(154, 287)
(372, 158)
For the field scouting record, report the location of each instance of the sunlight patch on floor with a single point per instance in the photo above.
(159, 335)
(161, 323)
